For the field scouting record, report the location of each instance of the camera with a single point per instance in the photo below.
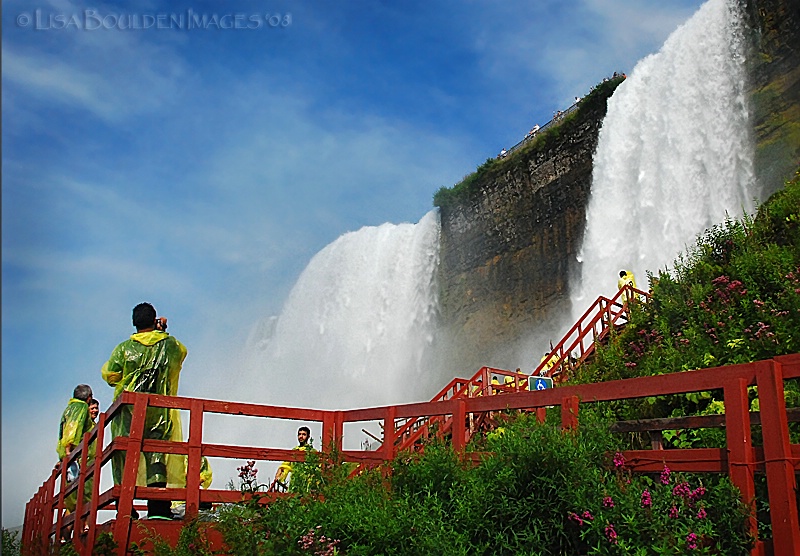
(161, 323)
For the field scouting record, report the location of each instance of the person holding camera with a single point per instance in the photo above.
(148, 362)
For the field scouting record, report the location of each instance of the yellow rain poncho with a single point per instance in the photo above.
(148, 362)
(75, 422)
(285, 468)
(625, 280)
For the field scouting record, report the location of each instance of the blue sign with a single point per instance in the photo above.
(540, 383)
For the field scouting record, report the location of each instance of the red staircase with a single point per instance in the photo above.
(575, 347)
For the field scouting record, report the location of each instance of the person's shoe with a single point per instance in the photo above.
(178, 511)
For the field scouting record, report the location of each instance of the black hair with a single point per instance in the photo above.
(144, 316)
(94, 401)
(82, 392)
(304, 428)
(622, 273)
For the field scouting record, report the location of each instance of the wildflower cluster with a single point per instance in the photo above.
(318, 545)
(644, 339)
(248, 478)
(672, 514)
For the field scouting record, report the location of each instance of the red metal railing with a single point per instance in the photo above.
(594, 326)
(573, 349)
(776, 458)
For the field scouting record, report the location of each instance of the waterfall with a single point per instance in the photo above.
(674, 157)
(359, 323)
(674, 154)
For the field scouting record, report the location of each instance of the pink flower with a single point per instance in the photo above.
(588, 515)
(673, 512)
(619, 460)
(665, 476)
(611, 534)
(682, 489)
(691, 541)
(701, 514)
(574, 517)
(647, 501)
(698, 492)
(608, 502)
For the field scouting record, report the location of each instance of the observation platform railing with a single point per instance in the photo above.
(777, 458)
(554, 122)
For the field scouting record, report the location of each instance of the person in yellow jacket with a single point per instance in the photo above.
(303, 443)
(625, 279)
(149, 362)
(75, 422)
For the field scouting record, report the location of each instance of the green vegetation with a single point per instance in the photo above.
(537, 490)
(517, 161)
(10, 546)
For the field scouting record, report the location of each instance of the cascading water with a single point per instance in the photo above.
(359, 324)
(674, 154)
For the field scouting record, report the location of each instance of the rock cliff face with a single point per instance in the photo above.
(775, 81)
(509, 244)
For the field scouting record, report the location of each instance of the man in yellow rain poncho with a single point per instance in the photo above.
(75, 422)
(304, 442)
(625, 279)
(149, 362)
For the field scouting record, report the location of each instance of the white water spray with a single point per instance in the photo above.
(674, 154)
(359, 323)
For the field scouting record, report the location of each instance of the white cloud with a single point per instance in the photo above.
(590, 40)
(110, 74)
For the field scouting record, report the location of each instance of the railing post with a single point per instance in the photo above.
(741, 459)
(60, 504)
(133, 450)
(459, 425)
(77, 524)
(91, 535)
(28, 521)
(389, 433)
(569, 412)
(781, 483)
(327, 430)
(338, 431)
(193, 456)
(46, 515)
(30, 529)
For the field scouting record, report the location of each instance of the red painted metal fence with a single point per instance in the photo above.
(777, 458)
(573, 349)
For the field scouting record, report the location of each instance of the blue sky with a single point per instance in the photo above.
(200, 169)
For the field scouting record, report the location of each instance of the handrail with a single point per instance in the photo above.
(778, 458)
(556, 120)
(604, 313)
(593, 326)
